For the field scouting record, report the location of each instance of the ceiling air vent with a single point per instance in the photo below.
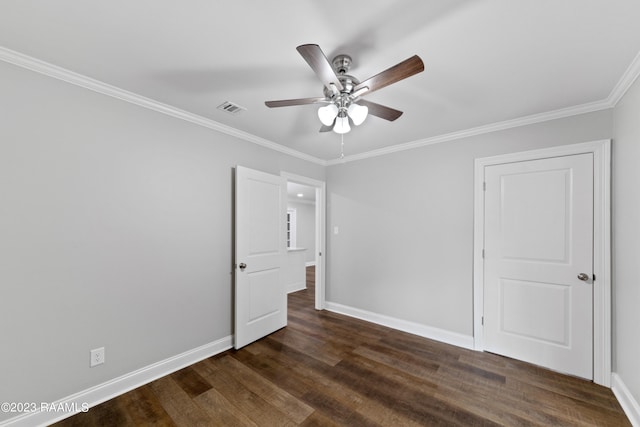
(230, 107)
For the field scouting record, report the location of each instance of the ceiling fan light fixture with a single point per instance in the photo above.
(342, 125)
(327, 114)
(342, 91)
(358, 113)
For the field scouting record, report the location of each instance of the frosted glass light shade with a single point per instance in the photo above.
(358, 113)
(342, 125)
(327, 113)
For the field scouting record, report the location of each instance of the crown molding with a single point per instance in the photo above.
(56, 72)
(624, 83)
(16, 58)
(480, 130)
(630, 75)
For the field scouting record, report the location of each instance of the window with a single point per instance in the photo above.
(291, 228)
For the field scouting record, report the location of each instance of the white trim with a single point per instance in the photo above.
(115, 387)
(300, 286)
(625, 82)
(42, 67)
(480, 130)
(602, 245)
(630, 406)
(310, 264)
(320, 215)
(602, 263)
(478, 258)
(441, 335)
(54, 71)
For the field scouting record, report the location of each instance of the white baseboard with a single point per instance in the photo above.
(295, 287)
(310, 264)
(110, 389)
(453, 338)
(629, 405)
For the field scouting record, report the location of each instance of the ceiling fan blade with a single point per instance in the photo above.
(404, 69)
(381, 111)
(290, 102)
(320, 65)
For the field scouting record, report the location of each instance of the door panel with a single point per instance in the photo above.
(538, 238)
(534, 208)
(264, 294)
(260, 294)
(520, 314)
(263, 215)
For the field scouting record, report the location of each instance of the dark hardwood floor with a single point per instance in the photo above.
(325, 369)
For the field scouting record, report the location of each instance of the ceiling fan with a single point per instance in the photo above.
(343, 92)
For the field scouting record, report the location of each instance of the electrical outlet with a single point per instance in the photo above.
(97, 356)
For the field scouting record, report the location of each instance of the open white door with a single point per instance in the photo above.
(260, 221)
(538, 291)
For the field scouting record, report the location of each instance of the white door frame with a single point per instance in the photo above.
(320, 256)
(601, 245)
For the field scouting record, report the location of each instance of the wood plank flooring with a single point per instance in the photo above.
(325, 369)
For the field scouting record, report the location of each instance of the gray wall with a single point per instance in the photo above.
(306, 227)
(115, 231)
(626, 239)
(404, 247)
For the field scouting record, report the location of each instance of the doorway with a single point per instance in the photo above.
(486, 294)
(309, 207)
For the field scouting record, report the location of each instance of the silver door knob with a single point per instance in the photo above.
(242, 266)
(583, 276)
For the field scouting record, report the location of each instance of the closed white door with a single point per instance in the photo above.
(260, 293)
(538, 296)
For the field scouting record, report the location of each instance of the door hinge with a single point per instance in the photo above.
(483, 253)
(484, 186)
(482, 320)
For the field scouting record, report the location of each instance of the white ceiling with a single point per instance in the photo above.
(486, 61)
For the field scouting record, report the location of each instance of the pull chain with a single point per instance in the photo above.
(342, 146)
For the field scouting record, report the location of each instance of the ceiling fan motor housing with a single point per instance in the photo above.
(348, 84)
(341, 63)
